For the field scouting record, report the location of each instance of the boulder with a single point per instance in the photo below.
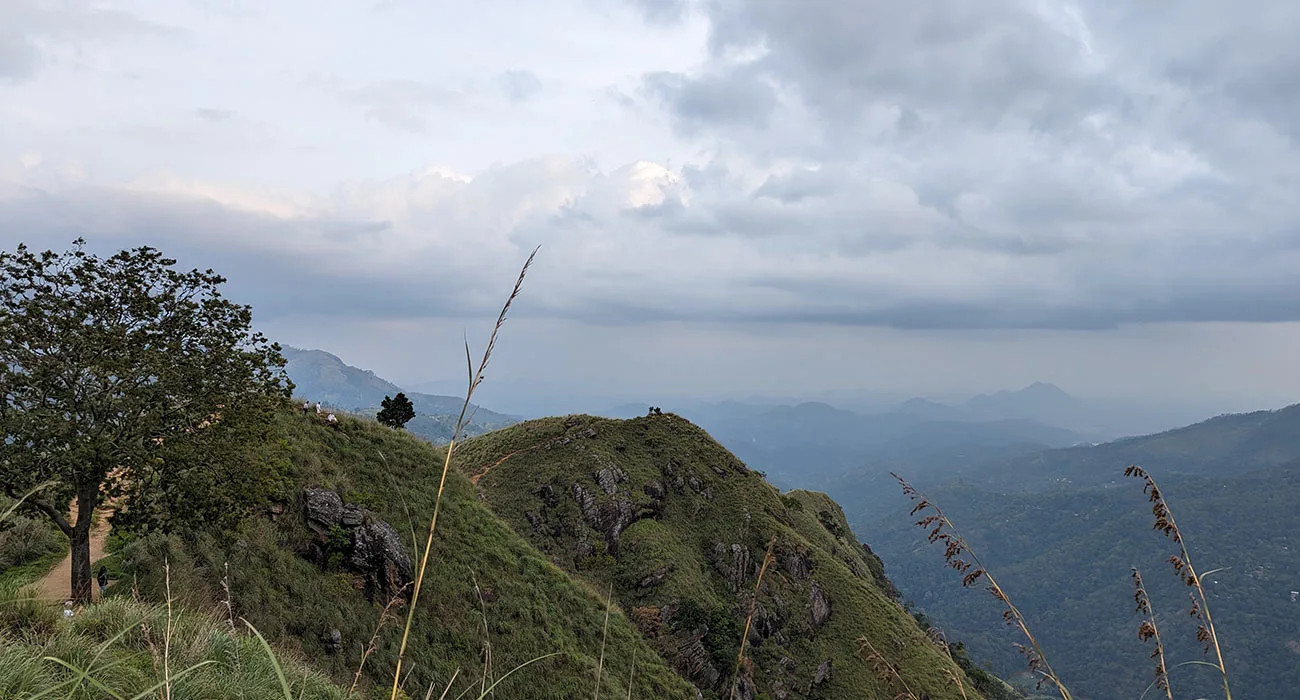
(378, 554)
(322, 507)
(823, 674)
(333, 641)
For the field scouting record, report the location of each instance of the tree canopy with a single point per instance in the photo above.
(126, 377)
(396, 412)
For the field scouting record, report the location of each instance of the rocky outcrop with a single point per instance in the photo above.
(323, 509)
(796, 563)
(611, 516)
(609, 478)
(822, 675)
(819, 606)
(378, 554)
(372, 549)
(692, 661)
(733, 563)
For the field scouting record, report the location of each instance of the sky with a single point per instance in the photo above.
(732, 197)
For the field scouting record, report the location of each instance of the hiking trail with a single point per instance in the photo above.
(56, 585)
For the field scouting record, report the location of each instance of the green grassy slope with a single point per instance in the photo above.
(479, 569)
(120, 643)
(678, 527)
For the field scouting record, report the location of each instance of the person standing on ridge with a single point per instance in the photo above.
(102, 579)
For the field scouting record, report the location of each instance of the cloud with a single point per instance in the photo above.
(34, 33)
(932, 166)
(662, 12)
(403, 104)
(519, 85)
(209, 114)
(727, 243)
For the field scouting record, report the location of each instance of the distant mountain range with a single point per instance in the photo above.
(1061, 528)
(320, 376)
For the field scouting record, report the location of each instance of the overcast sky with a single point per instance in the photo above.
(732, 196)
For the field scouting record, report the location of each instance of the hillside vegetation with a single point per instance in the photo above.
(489, 597)
(678, 528)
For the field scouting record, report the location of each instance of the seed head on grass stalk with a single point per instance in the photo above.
(885, 671)
(1148, 630)
(1182, 563)
(941, 529)
(475, 378)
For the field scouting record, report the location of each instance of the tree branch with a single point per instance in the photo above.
(45, 507)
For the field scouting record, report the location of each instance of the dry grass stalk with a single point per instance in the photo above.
(225, 587)
(631, 674)
(885, 671)
(374, 638)
(604, 634)
(936, 635)
(475, 378)
(167, 638)
(749, 619)
(941, 529)
(1148, 630)
(1182, 563)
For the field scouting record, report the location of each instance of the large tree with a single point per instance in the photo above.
(124, 377)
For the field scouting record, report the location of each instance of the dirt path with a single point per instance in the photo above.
(482, 471)
(56, 586)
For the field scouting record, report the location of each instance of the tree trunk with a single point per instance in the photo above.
(87, 500)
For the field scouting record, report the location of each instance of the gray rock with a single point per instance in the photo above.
(378, 554)
(353, 515)
(609, 478)
(796, 563)
(823, 673)
(333, 641)
(819, 606)
(322, 507)
(732, 563)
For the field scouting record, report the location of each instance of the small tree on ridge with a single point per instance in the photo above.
(396, 412)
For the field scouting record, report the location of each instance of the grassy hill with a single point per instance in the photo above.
(656, 511)
(1062, 528)
(489, 596)
(648, 521)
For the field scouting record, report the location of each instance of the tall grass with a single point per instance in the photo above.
(941, 529)
(475, 378)
(1182, 564)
